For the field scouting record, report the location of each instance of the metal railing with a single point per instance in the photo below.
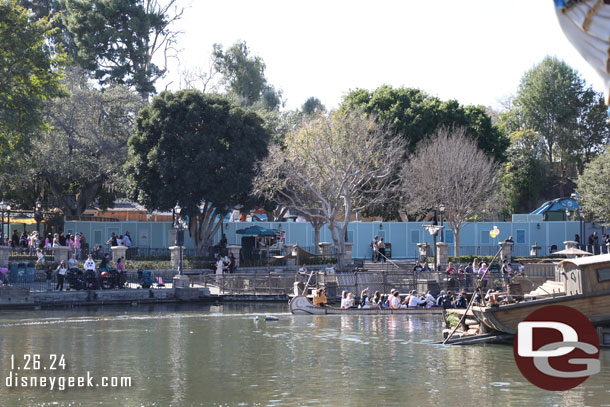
(41, 280)
(246, 284)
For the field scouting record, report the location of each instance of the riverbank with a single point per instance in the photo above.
(23, 298)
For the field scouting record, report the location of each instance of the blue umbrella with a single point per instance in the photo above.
(256, 231)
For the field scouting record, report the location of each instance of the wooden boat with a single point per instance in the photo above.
(301, 305)
(587, 289)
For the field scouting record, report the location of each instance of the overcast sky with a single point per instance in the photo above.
(474, 51)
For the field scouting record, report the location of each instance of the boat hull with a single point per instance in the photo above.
(301, 305)
(505, 318)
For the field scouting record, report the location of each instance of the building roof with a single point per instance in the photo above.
(585, 261)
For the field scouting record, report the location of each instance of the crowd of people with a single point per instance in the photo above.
(33, 242)
(395, 301)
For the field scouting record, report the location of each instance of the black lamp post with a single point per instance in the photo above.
(441, 209)
(38, 215)
(179, 233)
(5, 207)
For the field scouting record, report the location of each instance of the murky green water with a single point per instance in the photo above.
(213, 356)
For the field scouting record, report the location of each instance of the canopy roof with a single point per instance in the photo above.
(557, 205)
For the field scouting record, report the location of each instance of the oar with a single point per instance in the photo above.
(307, 285)
(472, 299)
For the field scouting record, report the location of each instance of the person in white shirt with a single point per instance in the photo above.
(394, 300)
(415, 301)
(430, 300)
(90, 264)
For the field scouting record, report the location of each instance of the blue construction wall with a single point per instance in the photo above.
(403, 236)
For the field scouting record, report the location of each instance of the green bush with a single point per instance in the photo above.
(312, 261)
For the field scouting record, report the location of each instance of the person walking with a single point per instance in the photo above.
(381, 250)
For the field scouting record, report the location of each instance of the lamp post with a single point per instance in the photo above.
(179, 233)
(441, 209)
(3, 206)
(38, 215)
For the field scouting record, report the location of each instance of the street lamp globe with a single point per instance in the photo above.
(177, 209)
(4, 205)
(441, 208)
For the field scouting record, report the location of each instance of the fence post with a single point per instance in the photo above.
(356, 282)
(269, 288)
(254, 281)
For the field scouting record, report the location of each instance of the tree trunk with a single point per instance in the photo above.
(203, 228)
(75, 207)
(456, 239)
(316, 234)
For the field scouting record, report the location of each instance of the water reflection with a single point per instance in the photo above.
(223, 355)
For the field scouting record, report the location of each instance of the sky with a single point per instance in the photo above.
(474, 51)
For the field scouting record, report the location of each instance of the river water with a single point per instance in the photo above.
(222, 356)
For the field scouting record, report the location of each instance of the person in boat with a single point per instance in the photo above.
(444, 300)
(319, 299)
(406, 300)
(351, 303)
(461, 301)
(394, 299)
(492, 297)
(415, 301)
(365, 300)
(384, 301)
(344, 300)
(430, 300)
(377, 298)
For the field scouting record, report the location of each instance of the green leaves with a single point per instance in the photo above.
(594, 188)
(193, 148)
(28, 75)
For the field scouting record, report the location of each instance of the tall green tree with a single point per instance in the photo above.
(549, 102)
(197, 150)
(313, 105)
(29, 75)
(594, 188)
(116, 40)
(243, 76)
(79, 160)
(416, 115)
(524, 172)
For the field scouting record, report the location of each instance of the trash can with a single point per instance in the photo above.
(30, 272)
(17, 274)
(331, 289)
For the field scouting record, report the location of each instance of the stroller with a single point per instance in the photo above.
(146, 280)
(91, 280)
(112, 279)
(3, 275)
(75, 279)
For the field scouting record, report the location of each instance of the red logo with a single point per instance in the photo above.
(556, 348)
